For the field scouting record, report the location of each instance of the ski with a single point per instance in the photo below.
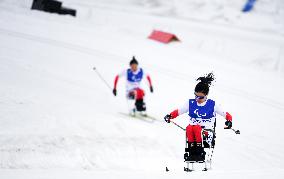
(146, 117)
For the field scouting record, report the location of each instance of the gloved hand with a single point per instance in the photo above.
(114, 92)
(228, 124)
(167, 118)
(151, 89)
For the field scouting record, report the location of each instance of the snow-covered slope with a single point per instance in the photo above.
(57, 119)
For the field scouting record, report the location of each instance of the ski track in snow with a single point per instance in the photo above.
(111, 57)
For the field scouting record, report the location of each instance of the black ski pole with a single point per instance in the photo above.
(178, 125)
(101, 77)
(236, 131)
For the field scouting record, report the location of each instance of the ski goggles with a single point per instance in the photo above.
(199, 97)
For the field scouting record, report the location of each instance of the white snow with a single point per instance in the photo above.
(58, 120)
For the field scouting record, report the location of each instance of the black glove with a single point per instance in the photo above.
(167, 118)
(228, 124)
(151, 89)
(114, 92)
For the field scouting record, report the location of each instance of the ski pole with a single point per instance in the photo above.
(101, 77)
(236, 131)
(178, 125)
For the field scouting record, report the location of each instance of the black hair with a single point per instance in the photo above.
(205, 83)
(133, 61)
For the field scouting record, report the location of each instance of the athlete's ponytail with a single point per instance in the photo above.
(204, 84)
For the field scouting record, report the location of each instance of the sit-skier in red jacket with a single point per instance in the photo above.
(202, 114)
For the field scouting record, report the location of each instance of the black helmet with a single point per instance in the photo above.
(133, 61)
